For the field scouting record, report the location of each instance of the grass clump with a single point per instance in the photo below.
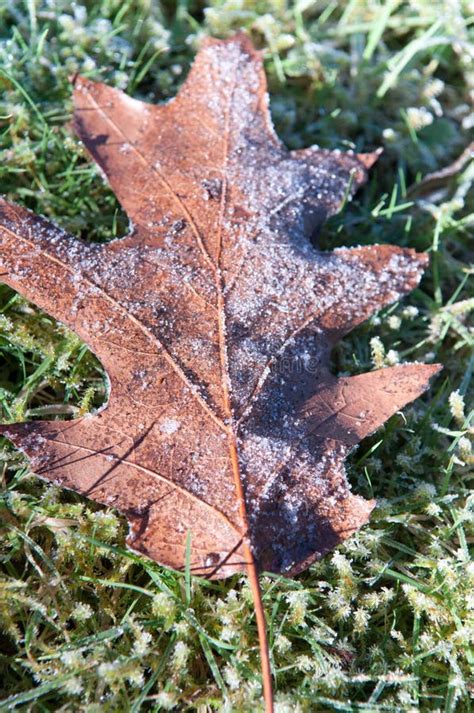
(386, 622)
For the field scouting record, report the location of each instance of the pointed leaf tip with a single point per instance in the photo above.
(369, 159)
(350, 408)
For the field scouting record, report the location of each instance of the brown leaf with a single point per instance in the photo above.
(214, 320)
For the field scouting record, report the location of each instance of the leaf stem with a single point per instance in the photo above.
(261, 629)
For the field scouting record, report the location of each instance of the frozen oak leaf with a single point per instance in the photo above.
(214, 320)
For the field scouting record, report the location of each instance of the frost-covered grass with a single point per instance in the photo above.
(386, 622)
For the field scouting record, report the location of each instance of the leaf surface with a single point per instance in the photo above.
(214, 319)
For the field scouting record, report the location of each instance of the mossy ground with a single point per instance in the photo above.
(386, 623)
